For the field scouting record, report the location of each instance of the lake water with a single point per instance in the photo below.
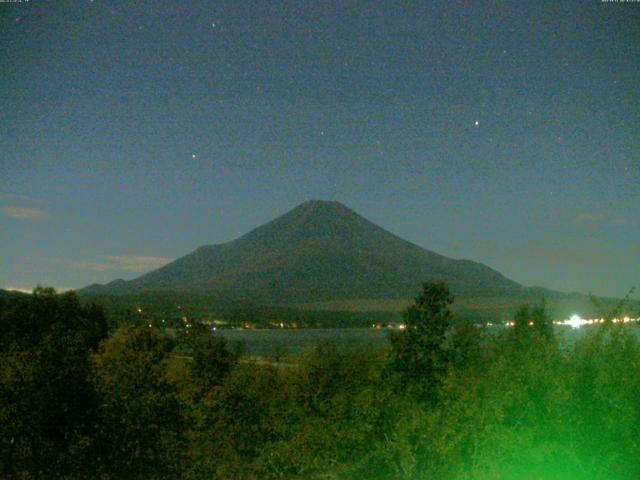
(292, 341)
(286, 341)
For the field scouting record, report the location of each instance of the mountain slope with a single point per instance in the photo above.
(319, 251)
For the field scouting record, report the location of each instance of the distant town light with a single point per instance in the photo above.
(575, 321)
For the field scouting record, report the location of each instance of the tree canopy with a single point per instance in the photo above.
(446, 399)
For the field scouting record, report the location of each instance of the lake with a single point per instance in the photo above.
(292, 341)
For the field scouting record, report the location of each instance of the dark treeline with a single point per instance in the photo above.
(172, 307)
(444, 401)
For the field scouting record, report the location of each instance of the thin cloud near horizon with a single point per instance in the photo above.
(593, 218)
(127, 263)
(18, 197)
(30, 290)
(25, 213)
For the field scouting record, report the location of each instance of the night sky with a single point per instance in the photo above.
(503, 132)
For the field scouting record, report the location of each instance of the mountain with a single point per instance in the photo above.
(318, 252)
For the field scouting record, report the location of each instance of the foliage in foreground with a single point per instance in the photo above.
(445, 401)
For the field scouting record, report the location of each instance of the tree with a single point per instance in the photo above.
(140, 424)
(466, 344)
(532, 321)
(48, 407)
(521, 320)
(419, 353)
(211, 358)
(542, 323)
(609, 312)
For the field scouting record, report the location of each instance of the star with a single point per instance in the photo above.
(193, 155)
(476, 123)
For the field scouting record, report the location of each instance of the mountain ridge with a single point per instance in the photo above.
(318, 251)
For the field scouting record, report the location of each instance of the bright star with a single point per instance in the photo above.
(476, 123)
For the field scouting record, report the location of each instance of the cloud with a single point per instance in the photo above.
(551, 255)
(621, 221)
(591, 218)
(133, 263)
(30, 290)
(18, 289)
(13, 197)
(127, 263)
(17, 197)
(24, 213)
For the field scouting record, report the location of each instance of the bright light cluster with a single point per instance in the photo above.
(576, 321)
